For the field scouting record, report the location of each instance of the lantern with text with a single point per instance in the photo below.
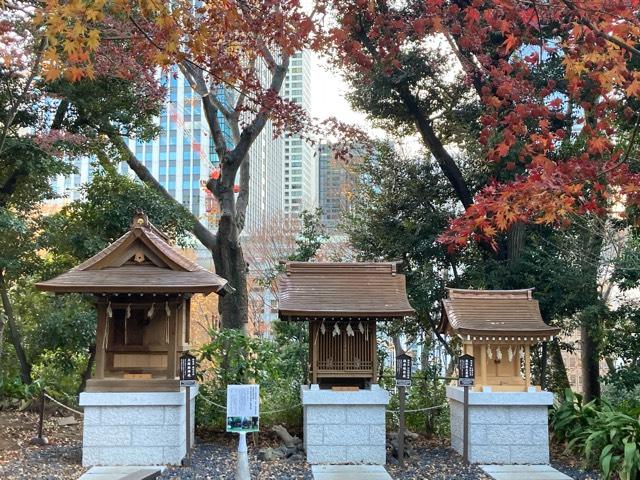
(403, 370)
(466, 371)
(187, 370)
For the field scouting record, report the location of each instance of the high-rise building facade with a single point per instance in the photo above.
(183, 155)
(335, 184)
(300, 163)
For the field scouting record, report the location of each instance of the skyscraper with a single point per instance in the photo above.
(335, 184)
(183, 154)
(300, 163)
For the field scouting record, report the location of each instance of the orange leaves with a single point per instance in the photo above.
(598, 145)
(633, 90)
(510, 43)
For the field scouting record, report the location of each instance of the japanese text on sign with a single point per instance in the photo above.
(243, 400)
(243, 408)
(403, 367)
(466, 371)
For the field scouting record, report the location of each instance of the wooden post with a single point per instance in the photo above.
(527, 367)
(188, 416)
(39, 439)
(374, 350)
(543, 367)
(41, 418)
(483, 365)
(401, 392)
(465, 426)
(314, 345)
(171, 352)
(101, 340)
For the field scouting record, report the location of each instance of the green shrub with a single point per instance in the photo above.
(427, 391)
(233, 358)
(15, 394)
(604, 435)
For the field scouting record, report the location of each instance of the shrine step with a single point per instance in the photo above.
(519, 472)
(349, 472)
(122, 473)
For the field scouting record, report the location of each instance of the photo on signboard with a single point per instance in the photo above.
(243, 424)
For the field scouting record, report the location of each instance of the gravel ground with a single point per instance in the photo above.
(211, 461)
(51, 462)
(61, 460)
(432, 460)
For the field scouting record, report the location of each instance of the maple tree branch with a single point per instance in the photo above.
(268, 56)
(211, 115)
(611, 38)
(202, 233)
(627, 152)
(243, 196)
(61, 113)
(251, 131)
(14, 108)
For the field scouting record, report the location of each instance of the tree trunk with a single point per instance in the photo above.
(14, 334)
(229, 261)
(591, 318)
(560, 380)
(515, 242)
(87, 371)
(2, 325)
(590, 363)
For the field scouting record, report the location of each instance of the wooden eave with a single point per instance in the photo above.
(342, 291)
(162, 270)
(493, 313)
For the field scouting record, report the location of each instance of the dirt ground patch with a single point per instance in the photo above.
(59, 460)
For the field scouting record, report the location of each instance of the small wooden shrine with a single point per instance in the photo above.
(142, 289)
(342, 303)
(496, 327)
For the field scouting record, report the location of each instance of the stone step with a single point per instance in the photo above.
(349, 472)
(122, 473)
(519, 472)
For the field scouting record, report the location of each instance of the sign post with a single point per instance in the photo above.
(466, 379)
(188, 380)
(403, 380)
(243, 416)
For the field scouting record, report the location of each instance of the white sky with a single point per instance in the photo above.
(328, 91)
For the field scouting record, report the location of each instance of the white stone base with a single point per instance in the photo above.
(504, 427)
(345, 427)
(141, 428)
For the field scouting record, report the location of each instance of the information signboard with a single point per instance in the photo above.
(466, 371)
(243, 408)
(403, 367)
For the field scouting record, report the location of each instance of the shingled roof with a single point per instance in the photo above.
(141, 261)
(493, 312)
(342, 290)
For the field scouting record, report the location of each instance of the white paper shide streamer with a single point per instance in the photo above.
(336, 330)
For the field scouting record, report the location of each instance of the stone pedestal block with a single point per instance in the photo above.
(504, 427)
(345, 427)
(138, 428)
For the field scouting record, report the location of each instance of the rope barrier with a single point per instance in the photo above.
(222, 407)
(63, 405)
(419, 409)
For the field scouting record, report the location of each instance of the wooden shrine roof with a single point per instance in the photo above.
(493, 312)
(325, 289)
(141, 261)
